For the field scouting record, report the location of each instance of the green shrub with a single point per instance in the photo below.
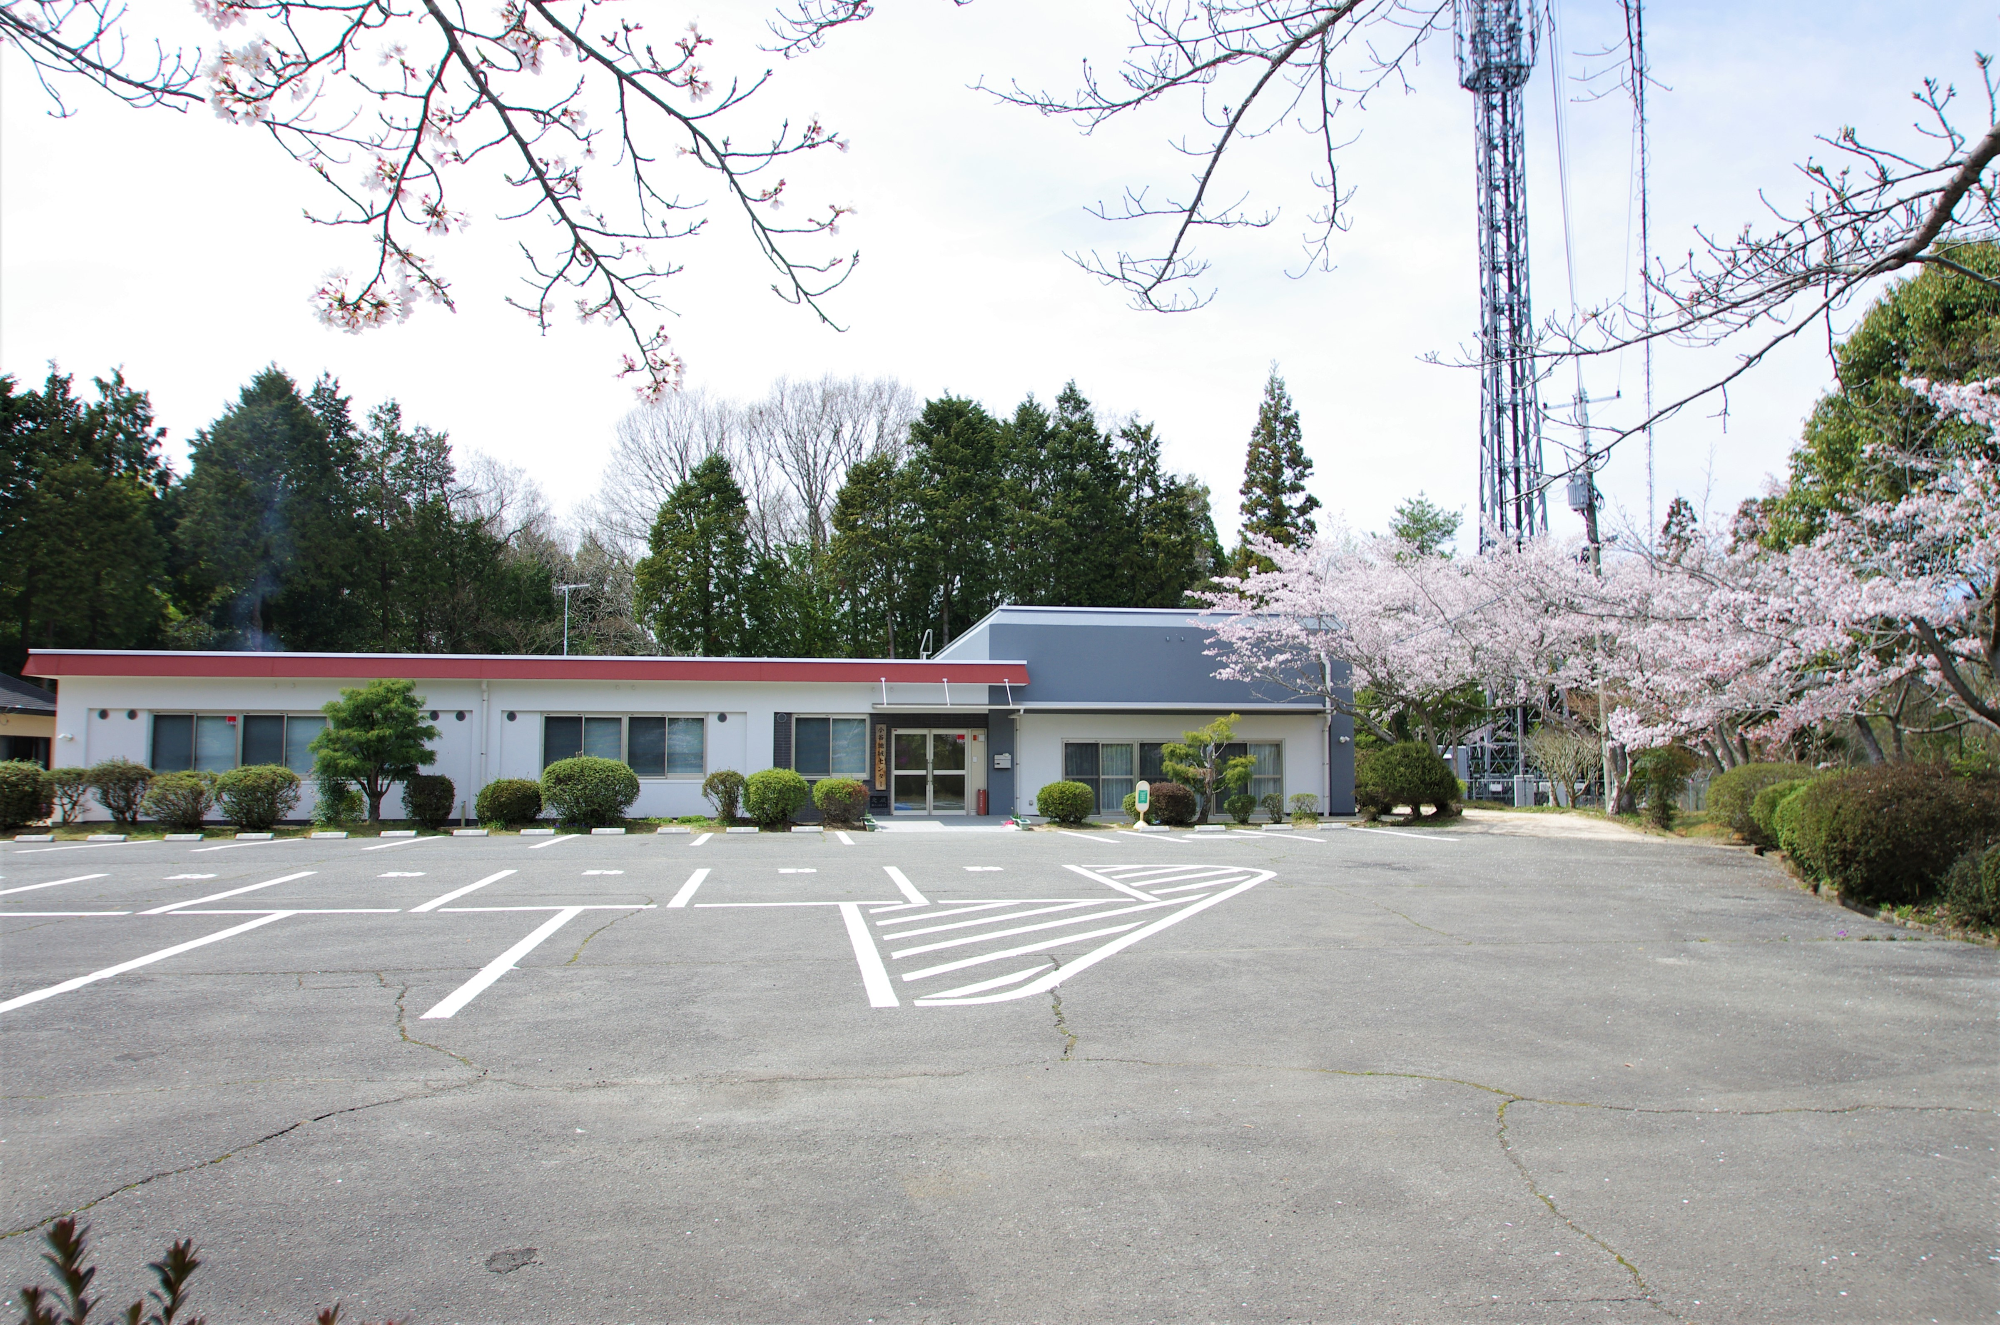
(181, 801)
(69, 789)
(1407, 773)
(1305, 806)
(1067, 802)
(1785, 821)
(1887, 834)
(724, 790)
(773, 796)
(1272, 803)
(430, 798)
(588, 792)
(1174, 803)
(120, 785)
(256, 796)
(840, 800)
(1763, 830)
(1660, 775)
(1972, 889)
(337, 803)
(509, 801)
(1732, 796)
(25, 794)
(1240, 808)
(1131, 808)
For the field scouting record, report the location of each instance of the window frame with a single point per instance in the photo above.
(867, 768)
(624, 719)
(239, 724)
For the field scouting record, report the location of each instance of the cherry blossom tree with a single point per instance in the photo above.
(587, 127)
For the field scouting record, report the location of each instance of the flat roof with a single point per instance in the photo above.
(519, 667)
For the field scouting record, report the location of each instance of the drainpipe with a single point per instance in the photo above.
(1017, 763)
(1326, 756)
(484, 717)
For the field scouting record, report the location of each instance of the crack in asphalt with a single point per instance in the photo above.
(1062, 1023)
(574, 956)
(1394, 912)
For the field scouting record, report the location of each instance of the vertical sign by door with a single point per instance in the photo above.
(881, 757)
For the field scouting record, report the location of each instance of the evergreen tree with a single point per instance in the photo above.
(269, 538)
(1275, 501)
(1424, 525)
(82, 561)
(1173, 549)
(871, 525)
(692, 589)
(954, 479)
(1069, 524)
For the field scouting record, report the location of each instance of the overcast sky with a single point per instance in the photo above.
(173, 246)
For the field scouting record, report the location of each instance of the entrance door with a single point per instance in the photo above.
(929, 771)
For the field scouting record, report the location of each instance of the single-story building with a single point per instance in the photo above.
(1028, 696)
(27, 721)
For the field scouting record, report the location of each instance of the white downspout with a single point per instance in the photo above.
(484, 717)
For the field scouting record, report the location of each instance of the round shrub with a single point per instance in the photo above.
(724, 790)
(509, 801)
(1732, 796)
(773, 796)
(336, 802)
(120, 785)
(840, 800)
(25, 795)
(256, 796)
(1763, 831)
(429, 799)
(1131, 807)
(69, 788)
(1661, 775)
(1407, 773)
(1272, 803)
(1972, 889)
(1240, 807)
(1886, 835)
(589, 792)
(1067, 802)
(1174, 803)
(1305, 807)
(181, 801)
(1785, 821)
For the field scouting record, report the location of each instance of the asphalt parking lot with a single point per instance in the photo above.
(1452, 1075)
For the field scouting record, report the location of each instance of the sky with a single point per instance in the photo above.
(174, 247)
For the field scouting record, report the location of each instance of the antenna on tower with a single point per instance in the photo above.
(1496, 51)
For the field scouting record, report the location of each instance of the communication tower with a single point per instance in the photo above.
(1496, 51)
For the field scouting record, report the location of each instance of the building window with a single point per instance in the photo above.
(1267, 778)
(830, 747)
(653, 746)
(216, 743)
(1105, 767)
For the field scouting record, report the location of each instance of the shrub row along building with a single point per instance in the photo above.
(1028, 696)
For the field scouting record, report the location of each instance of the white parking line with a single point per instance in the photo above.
(687, 889)
(28, 888)
(1427, 837)
(845, 840)
(903, 884)
(699, 839)
(83, 846)
(874, 975)
(1110, 882)
(1154, 837)
(402, 842)
(1027, 929)
(1040, 946)
(500, 965)
(80, 981)
(457, 893)
(216, 897)
(554, 841)
(261, 842)
(26, 915)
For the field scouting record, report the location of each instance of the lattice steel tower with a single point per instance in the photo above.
(1496, 50)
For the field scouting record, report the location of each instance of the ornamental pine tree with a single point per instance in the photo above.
(1276, 504)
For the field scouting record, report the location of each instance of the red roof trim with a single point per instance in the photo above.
(518, 667)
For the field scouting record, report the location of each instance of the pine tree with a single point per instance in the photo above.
(1426, 526)
(1275, 502)
(954, 482)
(871, 525)
(692, 589)
(1174, 549)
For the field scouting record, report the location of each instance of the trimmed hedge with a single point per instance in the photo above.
(256, 796)
(181, 801)
(1764, 809)
(841, 800)
(24, 793)
(1173, 803)
(1732, 796)
(1305, 807)
(69, 788)
(120, 785)
(1887, 834)
(429, 799)
(1785, 820)
(1240, 808)
(509, 801)
(773, 796)
(1407, 773)
(1068, 802)
(1972, 889)
(588, 792)
(724, 790)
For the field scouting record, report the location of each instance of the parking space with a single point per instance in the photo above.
(1359, 1074)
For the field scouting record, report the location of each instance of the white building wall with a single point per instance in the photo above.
(738, 731)
(1038, 758)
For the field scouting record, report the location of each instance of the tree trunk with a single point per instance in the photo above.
(1868, 741)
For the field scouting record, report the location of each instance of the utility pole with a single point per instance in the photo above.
(565, 590)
